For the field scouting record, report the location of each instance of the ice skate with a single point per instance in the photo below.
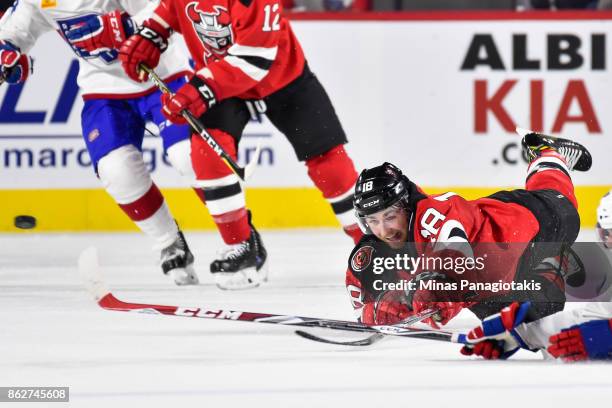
(576, 155)
(177, 262)
(242, 266)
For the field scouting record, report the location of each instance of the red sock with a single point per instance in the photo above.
(221, 193)
(145, 206)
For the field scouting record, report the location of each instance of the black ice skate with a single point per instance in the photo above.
(576, 155)
(242, 266)
(177, 261)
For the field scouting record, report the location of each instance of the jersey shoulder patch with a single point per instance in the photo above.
(362, 258)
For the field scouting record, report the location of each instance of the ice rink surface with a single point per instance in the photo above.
(53, 334)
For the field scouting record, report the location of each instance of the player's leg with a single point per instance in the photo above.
(242, 264)
(551, 160)
(304, 113)
(113, 134)
(550, 197)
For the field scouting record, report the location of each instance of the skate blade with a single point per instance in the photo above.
(248, 278)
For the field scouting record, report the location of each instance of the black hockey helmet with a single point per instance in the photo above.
(379, 188)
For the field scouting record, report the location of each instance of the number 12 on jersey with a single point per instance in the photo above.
(271, 18)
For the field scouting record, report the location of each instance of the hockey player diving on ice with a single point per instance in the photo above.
(508, 232)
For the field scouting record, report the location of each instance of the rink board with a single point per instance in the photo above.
(94, 210)
(436, 94)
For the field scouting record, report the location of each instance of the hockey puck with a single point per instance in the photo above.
(25, 222)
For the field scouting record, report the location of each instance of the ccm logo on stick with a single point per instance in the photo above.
(213, 314)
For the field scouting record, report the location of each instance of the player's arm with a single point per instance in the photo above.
(389, 308)
(101, 33)
(21, 26)
(150, 40)
(441, 227)
(357, 298)
(372, 306)
(577, 334)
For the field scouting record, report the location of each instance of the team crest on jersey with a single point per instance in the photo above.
(362, 258)
(214, 28)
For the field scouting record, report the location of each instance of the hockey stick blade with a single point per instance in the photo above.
(89, 269)
(368, 341)
(244, 173)
(374, 338)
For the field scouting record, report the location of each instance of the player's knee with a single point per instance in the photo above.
(179, 155)
(207, 165)
(124, 174)
(332, 172)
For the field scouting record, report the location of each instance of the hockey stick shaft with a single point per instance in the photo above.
(243, 172)
(90, 270)
(110, 302)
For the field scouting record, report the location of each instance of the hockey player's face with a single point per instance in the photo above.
(390, 226)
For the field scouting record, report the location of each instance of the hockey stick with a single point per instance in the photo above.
(243, 172)
(90, 271)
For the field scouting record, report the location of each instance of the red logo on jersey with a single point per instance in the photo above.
(213, 28)
(362, 258)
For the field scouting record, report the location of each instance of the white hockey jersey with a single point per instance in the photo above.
(100, 74)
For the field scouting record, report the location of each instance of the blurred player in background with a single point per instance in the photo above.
(115, 110)
(580, 334)
(401, 219)
(246, 51)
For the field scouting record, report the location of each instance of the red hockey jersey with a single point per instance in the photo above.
(243, 48)
(489, 228)
(447, 224)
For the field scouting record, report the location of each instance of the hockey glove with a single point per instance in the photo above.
(144, 47)
(391, 307)
(14, 66)
(196, 96)
(586, 341)
(496, 338)
(103, 33)
(447, 302)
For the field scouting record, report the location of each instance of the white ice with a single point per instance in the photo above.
(53, 334)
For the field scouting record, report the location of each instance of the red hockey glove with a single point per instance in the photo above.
(144, 47)
(367, 314)
(195, 96)
(446, 310)
(14, 66)
(447, 302)
(496, 337)
(391, 307)
(591, 340)
(102, 33)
